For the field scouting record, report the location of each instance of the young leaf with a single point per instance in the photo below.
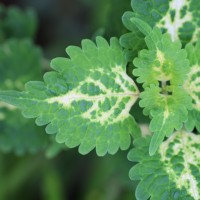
(164, 61)
(87, 101)
(172, 173)
(163, 69)
(192, 86)
(168, 112)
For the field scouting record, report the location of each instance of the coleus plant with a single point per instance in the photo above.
(86, 100)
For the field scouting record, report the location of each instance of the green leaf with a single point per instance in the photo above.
(87, 101)
(142, 26)
(132, 41)
(172, 173)
(192, 86)
(168, 112)
(163, 61)
(20, 61)
(15, 23)
(20, 135)
(163, 69)
(54, 148)
(179, 18)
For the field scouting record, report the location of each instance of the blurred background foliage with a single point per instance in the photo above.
(32, 165)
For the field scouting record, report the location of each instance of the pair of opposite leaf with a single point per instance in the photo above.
(173, 171)
(171, 97)
(170, 80)
(87, 101)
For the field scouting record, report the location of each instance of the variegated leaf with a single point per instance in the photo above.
(180, 18)
(162, 69)
(87, 101)
(172, 173)
(192, 86)
(163, 61)
(168, 112)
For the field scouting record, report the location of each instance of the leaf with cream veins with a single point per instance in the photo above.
(172, 173)
(179, 18)
(163, 69)
(168, 112)
(192, 86)
(87, 101)
(163, 61)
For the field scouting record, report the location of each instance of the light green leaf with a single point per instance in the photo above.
(163, 69)
(164, 61)
(192, 86)
(172, 173)
(142, 26)
(168, 112)
(87, 101)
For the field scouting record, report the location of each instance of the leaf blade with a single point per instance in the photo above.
(87, 101)
(173, 172)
